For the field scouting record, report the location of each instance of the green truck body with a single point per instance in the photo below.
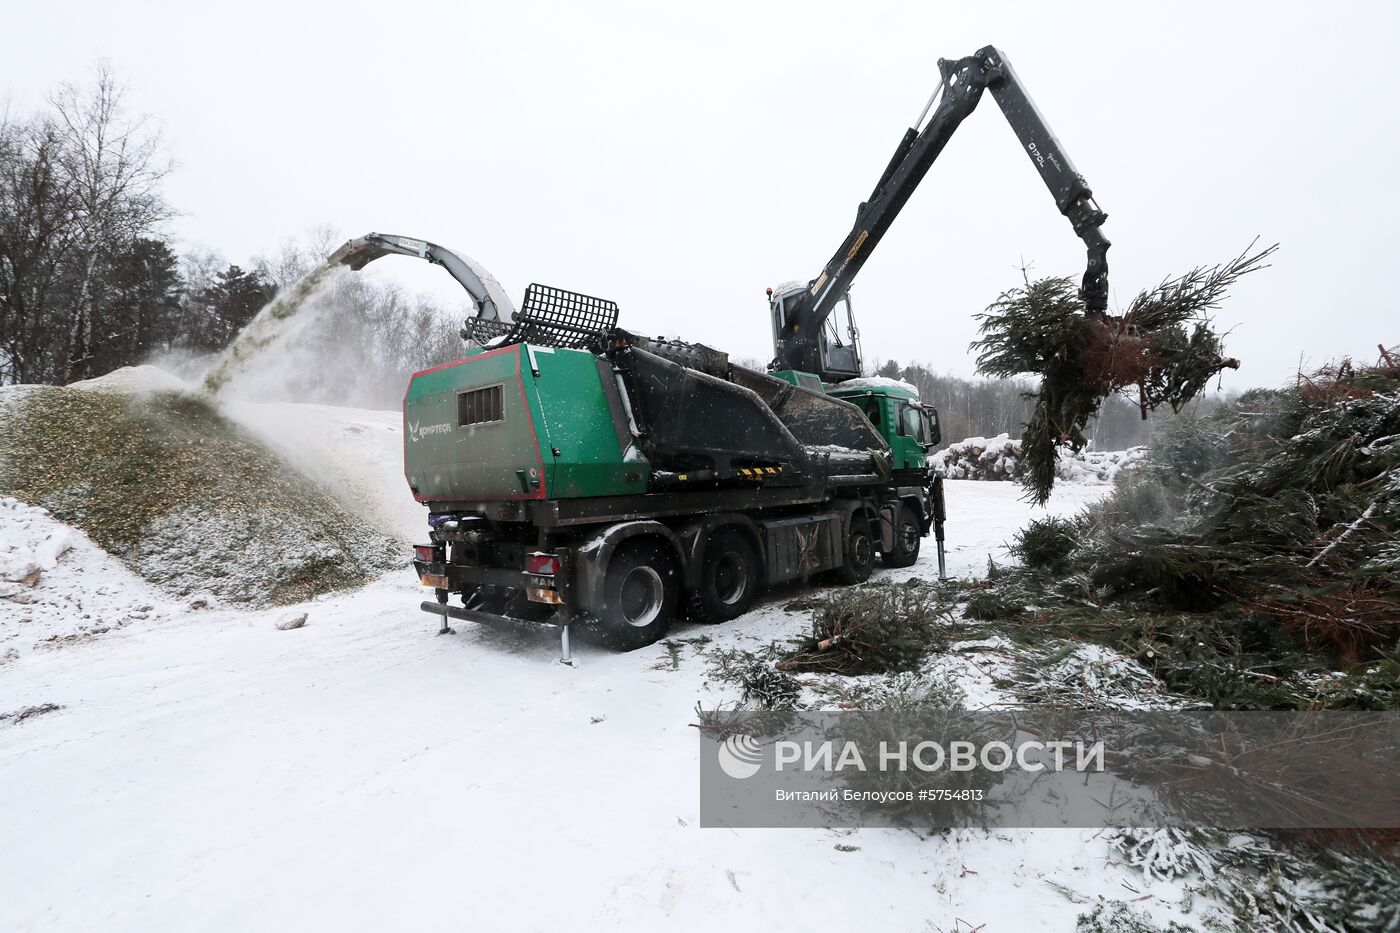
(527, 422)
(521, 422)
(544, 469)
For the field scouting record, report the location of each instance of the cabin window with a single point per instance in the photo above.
(480, 406)
(914, 424)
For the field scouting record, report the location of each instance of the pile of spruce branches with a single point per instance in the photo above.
(1161, 347)
(1254, 559)
(872, 629)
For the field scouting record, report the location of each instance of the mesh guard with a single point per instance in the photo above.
(553, 317)
(483, 331)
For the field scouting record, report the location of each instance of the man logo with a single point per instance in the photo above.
(740, 756)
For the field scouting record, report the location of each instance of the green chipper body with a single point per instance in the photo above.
(519, 423)
(528, 423)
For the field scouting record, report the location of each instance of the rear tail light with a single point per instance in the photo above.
(541, 564)
(425, 552)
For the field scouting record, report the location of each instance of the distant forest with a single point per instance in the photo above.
(90, 281)
(987, 407)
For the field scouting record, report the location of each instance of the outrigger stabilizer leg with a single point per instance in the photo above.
(442, 600)
(564, 656)
(940, 515)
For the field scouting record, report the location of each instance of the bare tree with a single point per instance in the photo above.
(36, 238)
(298, 255)
(113, 165)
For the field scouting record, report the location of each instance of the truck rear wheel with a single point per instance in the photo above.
(729, 579)
(908, 534)
(640, 594)
(860, 552)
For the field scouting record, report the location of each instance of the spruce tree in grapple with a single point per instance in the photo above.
(1162, 347)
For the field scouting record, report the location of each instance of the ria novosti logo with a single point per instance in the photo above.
(740, 756)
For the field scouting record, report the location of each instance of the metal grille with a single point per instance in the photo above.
(483, 331)
(556, 318)
(480, 406)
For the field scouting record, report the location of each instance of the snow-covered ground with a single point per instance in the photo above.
(57, 588)
(204, 770)
(134, 380)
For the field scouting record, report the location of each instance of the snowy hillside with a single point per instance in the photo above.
(58, 588)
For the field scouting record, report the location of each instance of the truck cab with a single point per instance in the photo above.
(908, 425)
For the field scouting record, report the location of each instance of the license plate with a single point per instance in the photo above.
(538, 594)
(435, 580)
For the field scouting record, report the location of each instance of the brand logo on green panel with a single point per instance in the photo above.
(415, 431)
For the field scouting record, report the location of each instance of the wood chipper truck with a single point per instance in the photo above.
(577, 473)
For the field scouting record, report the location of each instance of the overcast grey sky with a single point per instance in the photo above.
(678, 158)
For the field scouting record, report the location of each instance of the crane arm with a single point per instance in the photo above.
(1071, 192)
(799, 317)
(492, 302)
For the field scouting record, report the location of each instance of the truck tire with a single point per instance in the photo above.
(729, 579)
(641, 590)
(860, 553)
(908, 534)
